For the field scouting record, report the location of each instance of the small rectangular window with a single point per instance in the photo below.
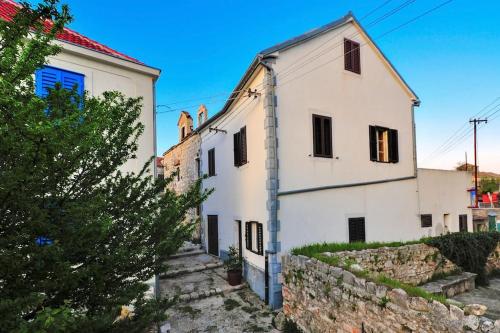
(254, 237)
(462, 220)
(352, 57)
(357, 230)
(322, 136)
(426, 220)
(240, 147)
(211, 162)
(384, 145)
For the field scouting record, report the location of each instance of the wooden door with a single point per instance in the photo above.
(213, 235)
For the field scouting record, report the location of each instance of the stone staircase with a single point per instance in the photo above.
(192, 274)
(452, 285)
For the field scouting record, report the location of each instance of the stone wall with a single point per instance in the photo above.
(183, 156)
(323, 298)
(413, 264)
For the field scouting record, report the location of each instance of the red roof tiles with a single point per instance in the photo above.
(8, 9)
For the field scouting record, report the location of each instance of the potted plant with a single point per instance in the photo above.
(233, 266)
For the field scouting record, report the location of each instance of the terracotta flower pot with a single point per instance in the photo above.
(234, 277)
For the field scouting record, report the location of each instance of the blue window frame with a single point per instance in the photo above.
(48, 76)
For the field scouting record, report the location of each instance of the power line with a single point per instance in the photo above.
(287, 69)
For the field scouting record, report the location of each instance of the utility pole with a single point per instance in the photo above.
(476, 121)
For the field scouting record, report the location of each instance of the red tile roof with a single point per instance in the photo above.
(8, 9)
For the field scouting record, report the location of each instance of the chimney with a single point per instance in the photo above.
(202, 115)
(185, 125)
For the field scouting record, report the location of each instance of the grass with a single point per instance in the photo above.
(315, 249)
(230, 304)
(410, 290)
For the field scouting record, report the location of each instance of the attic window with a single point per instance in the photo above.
(352, 58)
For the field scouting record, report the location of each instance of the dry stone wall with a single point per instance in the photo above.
(324, 298)
(413, 264)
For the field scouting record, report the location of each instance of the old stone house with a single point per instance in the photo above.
(183, 160)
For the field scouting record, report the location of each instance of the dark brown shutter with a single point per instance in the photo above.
(355, 56)
(373, 143)
(347, 55)
(393, 146)
(463, 223)
(211, 162)
(248, 235)
(357, 230)
(243, 144)
(260, 239)
(327, 136)
(426, 220)
(237, 147)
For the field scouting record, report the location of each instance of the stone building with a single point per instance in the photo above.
(183, 158)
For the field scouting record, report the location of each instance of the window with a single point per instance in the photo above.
(47, 77)
(240, 147)
(322, 136)
(384, 145)
(211, 162)
(357, 229)
(183, 132)
(178, 171)
(462, 221)
(254, 237)
(352, 59)
(426, 220)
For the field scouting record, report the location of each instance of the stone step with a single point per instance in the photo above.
(191, 252)
(452, 285)
(189, 270)
(195, 295)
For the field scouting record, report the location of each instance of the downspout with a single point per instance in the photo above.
(416, 103)
(157, 279)
(273, 267)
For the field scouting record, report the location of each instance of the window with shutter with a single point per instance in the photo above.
(322, 136)
(357, 229)
(254, 237)
(47, 77)
(426, 220)
(462, 220)
(384, 145)
(211, 162)
(240, 147)
(352, 56)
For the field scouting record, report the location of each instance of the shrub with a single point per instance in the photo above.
(469, 251)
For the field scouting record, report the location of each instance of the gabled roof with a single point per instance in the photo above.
(9, 8)
(268, 52)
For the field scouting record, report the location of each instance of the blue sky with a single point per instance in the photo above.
(451, 57)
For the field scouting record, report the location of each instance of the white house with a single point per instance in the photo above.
(317, 144)
(97, 68)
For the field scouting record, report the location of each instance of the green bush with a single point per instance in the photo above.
(469, 251)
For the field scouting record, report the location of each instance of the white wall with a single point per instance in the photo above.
(389, 209)
(375, 97)
(105, 73)
(240, 193)
(444, 192)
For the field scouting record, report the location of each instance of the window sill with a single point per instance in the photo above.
(242, 165)
(384, 162)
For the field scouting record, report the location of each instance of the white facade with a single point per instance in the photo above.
(106, 73)
(317, 196)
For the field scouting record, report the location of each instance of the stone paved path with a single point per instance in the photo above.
(208, 303)
(489, 296)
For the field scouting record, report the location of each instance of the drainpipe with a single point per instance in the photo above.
(273, 267)
(157, 279)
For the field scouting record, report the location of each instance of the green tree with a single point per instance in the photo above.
(59, 179)
(489, 185)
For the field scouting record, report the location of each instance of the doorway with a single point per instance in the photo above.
(213, 234)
